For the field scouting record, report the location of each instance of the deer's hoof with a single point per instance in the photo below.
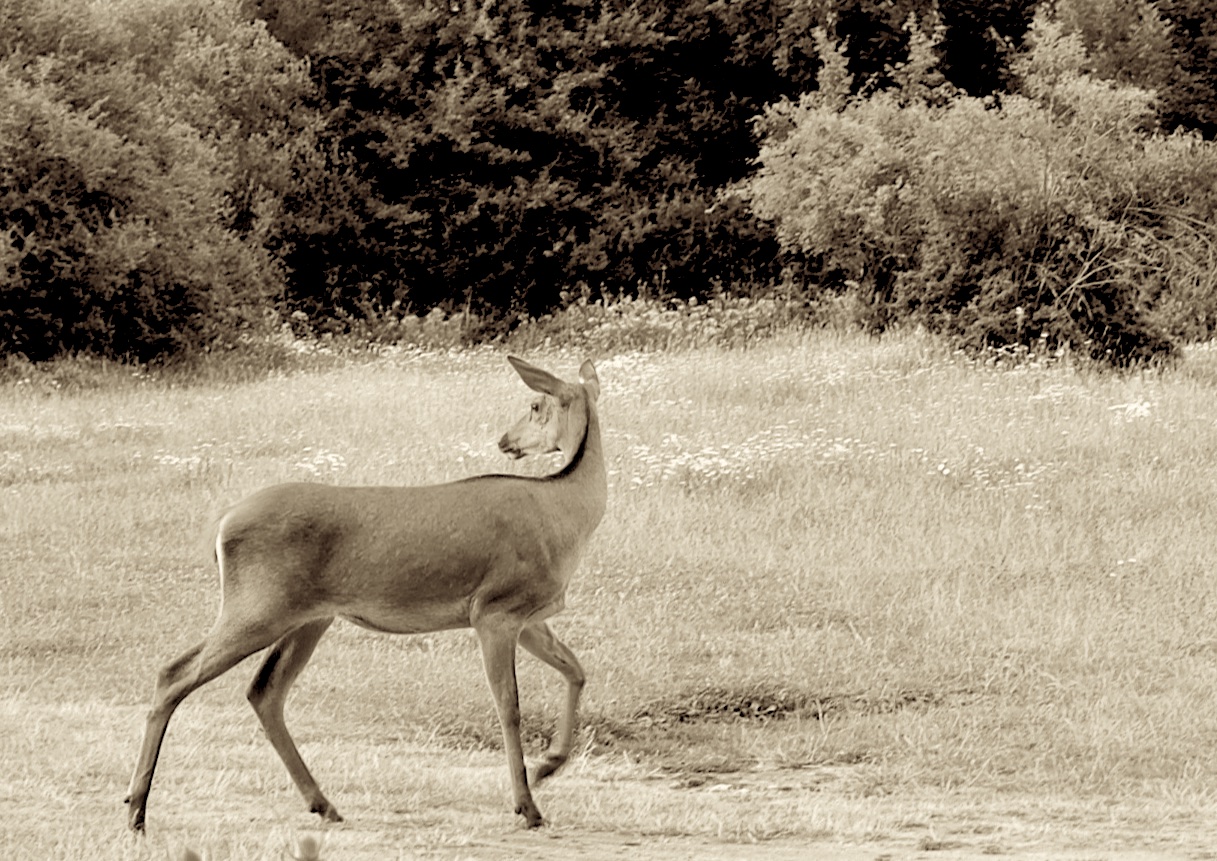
(135, 815)
(326, 811)
(532, 816)
(546, 768)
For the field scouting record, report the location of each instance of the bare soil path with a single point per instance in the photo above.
(1019, 829)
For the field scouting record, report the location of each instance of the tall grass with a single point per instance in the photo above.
(914, 572)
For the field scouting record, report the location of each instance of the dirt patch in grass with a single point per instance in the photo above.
(714, 703)
(709, 729)
(752, 705)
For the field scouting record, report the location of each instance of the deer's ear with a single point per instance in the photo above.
(587, 376)
(535, 378)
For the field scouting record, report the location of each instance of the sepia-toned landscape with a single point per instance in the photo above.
(903, 319)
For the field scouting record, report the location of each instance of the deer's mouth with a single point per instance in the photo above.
(510, 448)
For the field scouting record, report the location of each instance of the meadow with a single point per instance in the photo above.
(851, 592)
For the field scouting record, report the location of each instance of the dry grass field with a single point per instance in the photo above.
(867, 596)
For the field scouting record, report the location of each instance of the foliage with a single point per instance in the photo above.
(1127, 41)
(146, 149)
(175, 175)
(604, 326)
(1051, 216)
(512, 151)
(627, 322)
(1191, 100)
(1166, 46)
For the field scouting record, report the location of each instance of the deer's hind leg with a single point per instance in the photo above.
(267, 694)
(228, 643)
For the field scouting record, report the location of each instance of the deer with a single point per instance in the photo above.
(494, 553)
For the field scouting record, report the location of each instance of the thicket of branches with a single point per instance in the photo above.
(1047, 215)
(175, 174)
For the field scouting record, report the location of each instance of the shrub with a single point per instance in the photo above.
(1048, 216)
(112, 247)
(147, 149)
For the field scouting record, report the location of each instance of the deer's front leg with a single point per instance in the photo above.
(540, 641)
(498, 640)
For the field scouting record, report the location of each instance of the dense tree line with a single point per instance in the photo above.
(173, 172)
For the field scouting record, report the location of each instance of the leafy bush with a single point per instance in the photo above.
(1162, 45)
(112, 247)
(1051, 216)
(512, 151)
(146, 153)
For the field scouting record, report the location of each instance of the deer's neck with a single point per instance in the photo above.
(584, 475)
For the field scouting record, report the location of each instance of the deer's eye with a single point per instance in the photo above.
(536, 407)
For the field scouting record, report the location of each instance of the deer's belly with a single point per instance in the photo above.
(415, 620)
